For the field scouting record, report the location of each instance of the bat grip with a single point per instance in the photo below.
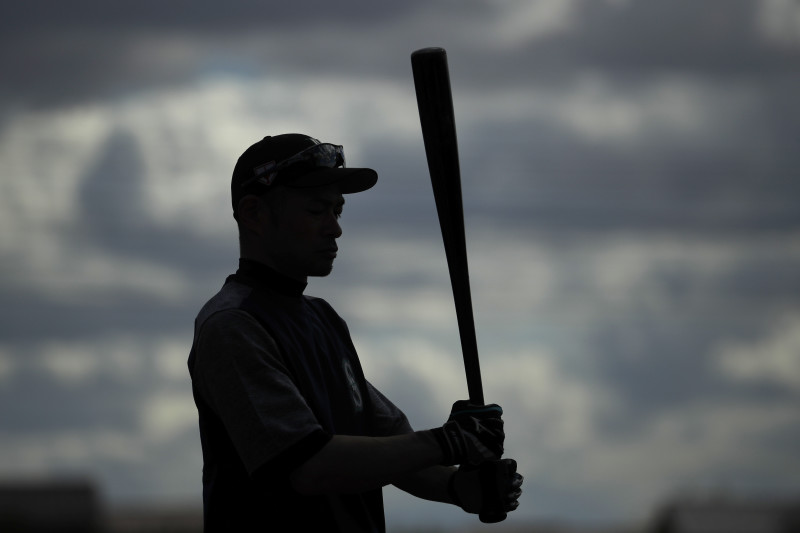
(493, 476)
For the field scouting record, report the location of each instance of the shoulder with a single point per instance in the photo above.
(226, 320)
(233, 337)
(325, 311)
(316, 301)
(229, 297)
(233, 326)
(321, 306)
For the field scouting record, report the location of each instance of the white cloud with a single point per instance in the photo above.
(510, 274)
(436, 368)
(150, 441)
(167, 414)
(121, 358)
(597, 108)
(170, 355)
(502, 25)
(775, 358)
(76, 362)
(547, 409)
(554, 411)
(84, 273)
(7, 366)
(707, 446)
(67, 451)
(779, 21)
(661, 274)
(189, 141)
(426, 307)
(42, 159)
(518, 22)
(72, 364)
(517, 277)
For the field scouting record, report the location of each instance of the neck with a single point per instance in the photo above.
(267, 260)
(254, 272)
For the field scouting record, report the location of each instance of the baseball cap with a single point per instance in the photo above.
(295, 160)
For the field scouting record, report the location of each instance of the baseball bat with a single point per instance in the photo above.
(437, 118)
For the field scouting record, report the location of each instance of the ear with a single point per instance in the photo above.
(249, 213)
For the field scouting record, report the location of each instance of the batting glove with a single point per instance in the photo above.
(491, 490)
(472, 434)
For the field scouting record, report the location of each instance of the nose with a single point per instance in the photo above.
(333, 227)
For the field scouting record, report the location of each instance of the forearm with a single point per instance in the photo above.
(349, 464)
(428, 484)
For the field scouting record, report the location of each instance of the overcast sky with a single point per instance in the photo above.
(630, 177)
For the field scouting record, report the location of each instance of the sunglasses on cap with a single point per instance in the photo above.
(324, 155)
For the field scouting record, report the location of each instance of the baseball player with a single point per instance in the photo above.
(294, 437)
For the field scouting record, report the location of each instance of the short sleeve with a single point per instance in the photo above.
(239, 374)
(388, 419)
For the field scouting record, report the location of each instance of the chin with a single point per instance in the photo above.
(321, 272)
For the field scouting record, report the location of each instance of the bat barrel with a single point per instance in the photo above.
(437, 118)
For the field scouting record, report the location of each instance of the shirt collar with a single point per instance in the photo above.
(255, 273)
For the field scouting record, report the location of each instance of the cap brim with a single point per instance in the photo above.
(350, 180)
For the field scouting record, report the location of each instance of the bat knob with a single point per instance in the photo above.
(493, 517)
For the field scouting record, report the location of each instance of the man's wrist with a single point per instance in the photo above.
(451, 489)
(446, 446)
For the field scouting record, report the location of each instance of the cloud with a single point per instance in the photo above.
(116, 409)
(772, 359)
(125, 199)
(609, 373)
(66, 452)
(779, 22)
(7, 366)
(709, 447)
(95, 52)
(166, 416)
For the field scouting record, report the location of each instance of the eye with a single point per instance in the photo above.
(315, 209)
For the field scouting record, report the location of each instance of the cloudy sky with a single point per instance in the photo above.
(630, 179)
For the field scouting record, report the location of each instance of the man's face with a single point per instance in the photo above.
(301, 240)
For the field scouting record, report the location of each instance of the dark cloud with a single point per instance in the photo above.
(113, 199)
(98, 50)
(716, 36)
(739, 181)
(31, 316)
(662, 362)
(55, 53)
(640, 39)
(115, 221)
(96, 403)
(214, 17)
(115, 215)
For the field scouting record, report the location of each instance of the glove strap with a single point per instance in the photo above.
(448, 437)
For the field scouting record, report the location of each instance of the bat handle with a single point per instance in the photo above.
(493, 477)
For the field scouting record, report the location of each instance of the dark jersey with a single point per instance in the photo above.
(274, 376)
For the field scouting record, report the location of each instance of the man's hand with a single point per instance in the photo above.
(472, 434)
(491, 488)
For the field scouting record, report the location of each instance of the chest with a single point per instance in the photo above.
(318, 352)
